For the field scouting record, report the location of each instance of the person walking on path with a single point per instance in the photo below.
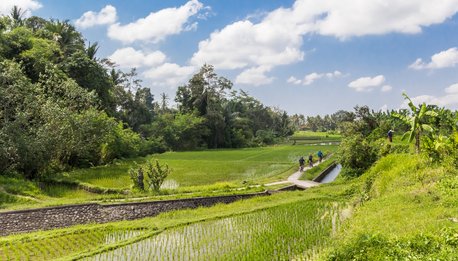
(311, 160)
(301, 164)
(390, 135)
(320, 155)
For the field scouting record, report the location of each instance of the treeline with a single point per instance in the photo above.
(61, 106)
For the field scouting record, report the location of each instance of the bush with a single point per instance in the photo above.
(155, 175)
(356, 155)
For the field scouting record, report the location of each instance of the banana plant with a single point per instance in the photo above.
(415, 121)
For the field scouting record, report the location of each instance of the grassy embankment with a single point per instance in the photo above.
(402, 208)
(310, 137)
(197, 173)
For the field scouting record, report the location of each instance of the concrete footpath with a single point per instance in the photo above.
(294, 179)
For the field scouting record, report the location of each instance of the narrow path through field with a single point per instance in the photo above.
(294, 179)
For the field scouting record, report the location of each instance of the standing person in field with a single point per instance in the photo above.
(320, 155)
(301, 164)
(390, 135)
(311, 160)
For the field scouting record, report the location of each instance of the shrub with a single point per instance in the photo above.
(356, 155)
(155, 175)
(137, 177)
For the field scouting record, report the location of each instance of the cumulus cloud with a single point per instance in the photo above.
(347, 18)
(452, 89)
(444, 59)
(169, 74)
(449, 100)
(89, 19)
(312, 77)
(26, 5)
(244, 44)
(293, 80)
(367, 84)
(255, 76)
(129, 57)
(157, 25)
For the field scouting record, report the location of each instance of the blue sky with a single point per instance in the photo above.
(304, 56)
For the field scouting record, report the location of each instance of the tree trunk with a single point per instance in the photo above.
(417, 142)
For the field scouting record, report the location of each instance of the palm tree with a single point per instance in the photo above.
(416, 121)
(91, 50)
(65, 35)
(17, 14)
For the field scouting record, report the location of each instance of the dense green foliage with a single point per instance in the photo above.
(365, 139)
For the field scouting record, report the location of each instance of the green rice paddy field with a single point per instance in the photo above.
(202, 168)
(196, 173)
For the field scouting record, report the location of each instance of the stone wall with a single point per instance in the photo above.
(65, 216)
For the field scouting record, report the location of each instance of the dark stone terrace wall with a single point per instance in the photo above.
(65, 216)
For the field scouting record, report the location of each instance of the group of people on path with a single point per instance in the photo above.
(310, 160)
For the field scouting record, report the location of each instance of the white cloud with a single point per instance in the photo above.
(89, 19)
(169, 74)
(333, 74)
(367, 83)
(444, 59)
(244, 44)
(347, 18)
(255, 76)
(157, 26)
(312, 77)
(386, 88)
(129, 57)
(26, 5)
(293, 80)
(452, 89)
(449, 100)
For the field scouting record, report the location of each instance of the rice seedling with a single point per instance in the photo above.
(47, 248)
(285, 232)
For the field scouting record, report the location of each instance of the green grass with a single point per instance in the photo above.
(407, 208)
(200, 168)
(197, 173)
(401, 209)
(88, 240)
